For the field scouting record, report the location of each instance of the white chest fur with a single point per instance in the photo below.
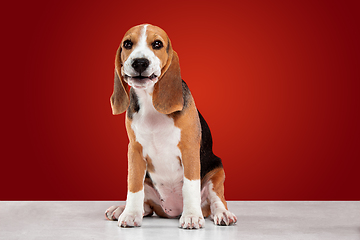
(159, 138)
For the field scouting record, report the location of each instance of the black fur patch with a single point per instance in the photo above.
(134, 106)
(186, 94)
(208, 160)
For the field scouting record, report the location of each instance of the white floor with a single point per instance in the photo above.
(256, 220)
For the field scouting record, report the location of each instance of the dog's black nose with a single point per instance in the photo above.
(140, 64)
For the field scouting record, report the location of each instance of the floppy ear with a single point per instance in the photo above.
(120, 98)
(168, 95)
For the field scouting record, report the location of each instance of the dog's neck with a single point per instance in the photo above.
(145, 98)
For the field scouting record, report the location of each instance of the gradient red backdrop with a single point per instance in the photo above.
(277, 81)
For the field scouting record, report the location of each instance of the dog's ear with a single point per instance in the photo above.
(120, 98)
(168, 95)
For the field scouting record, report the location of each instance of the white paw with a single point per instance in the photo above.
(113, 212)
(223, 217)
(130, 219)
(191, 221)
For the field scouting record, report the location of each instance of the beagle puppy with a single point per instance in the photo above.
(172, 170)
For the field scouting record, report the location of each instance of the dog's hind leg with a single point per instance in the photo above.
(113, 212)
(219, 211)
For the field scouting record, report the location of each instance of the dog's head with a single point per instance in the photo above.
(146, 60)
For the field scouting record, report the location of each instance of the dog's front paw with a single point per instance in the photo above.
(223, 217)
(130, 219)
(192, 221)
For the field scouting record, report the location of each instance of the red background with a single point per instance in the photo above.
(277, 81)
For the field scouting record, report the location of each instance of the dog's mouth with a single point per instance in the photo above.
(140, 77)
(140, 81)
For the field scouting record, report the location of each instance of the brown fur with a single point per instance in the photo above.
(150, 166)
(167, 95)
(217, 180)
(189, 144)
(136, 163)
(217, 177)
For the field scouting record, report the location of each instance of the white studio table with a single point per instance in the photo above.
(256, 220)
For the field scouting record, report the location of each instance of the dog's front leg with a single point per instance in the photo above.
(134, 209)
(192, 217)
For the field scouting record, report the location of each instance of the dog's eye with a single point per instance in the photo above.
(128, 44)
(157, 44)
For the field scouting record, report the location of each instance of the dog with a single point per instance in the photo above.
(172, 169)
